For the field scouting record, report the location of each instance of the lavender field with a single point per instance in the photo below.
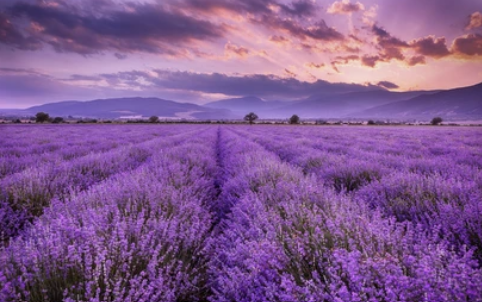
(240, 213)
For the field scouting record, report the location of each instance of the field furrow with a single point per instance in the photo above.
(427, 189)
(243, 213)
(138, 236)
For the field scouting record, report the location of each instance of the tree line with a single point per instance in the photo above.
(43, 117)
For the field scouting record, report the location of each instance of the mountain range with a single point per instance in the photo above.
(454, 104)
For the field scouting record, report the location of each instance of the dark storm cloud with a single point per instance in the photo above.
(170, 28)
(434, 47)
(246, 6)
(387, 84)
(390, 47)
(318, 31)
(79, 77)
(385, 39)
(431, 47)
(26, 87)
(141, 27)
(267, 86)
(7, 70)
(12, 36)
(261, 14)
(300, 8)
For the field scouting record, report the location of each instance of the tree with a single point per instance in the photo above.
(371, 122)
(42, 117)
(436, 121)
(58, 120)
(294, 119)
(154, 119)
(251, 117)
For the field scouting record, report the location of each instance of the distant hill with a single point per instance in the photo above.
(340, 105)
(244, 104)
(323, 105)
(129, 107)
(454, 104)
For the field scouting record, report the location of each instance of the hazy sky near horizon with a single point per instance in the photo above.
(203, 50)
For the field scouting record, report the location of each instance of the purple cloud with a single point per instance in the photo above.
(370, 61)
(385, 39)
(415, 60)
(345, 7)
(140, 27)
(266, 86)
(29, 87)
(431, 47)
(239, 51)
(387, 84)
(300, 8)
(10, 35)
(475, 21)
(469, 45)
(318, 31)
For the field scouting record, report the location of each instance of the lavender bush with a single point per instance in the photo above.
(240, 213)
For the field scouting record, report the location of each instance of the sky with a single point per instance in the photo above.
(204, 50)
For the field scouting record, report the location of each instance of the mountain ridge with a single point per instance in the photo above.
(128, 107)
(458, 103)
(462, 102)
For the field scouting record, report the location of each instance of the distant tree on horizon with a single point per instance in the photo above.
(154, 119)
(251, 117)
(58, 120)
(294, 119)
(42, 117)
(436, 121)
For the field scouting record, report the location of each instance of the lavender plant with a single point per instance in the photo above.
(240, 213)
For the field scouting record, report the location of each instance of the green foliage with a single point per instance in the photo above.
(436, 121)
(251, 117)
(294, 119)
(42, 117)
(58, 120)
(154, 119)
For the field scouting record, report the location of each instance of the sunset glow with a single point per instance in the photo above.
(204, 50)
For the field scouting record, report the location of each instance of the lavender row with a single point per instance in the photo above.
(19, 140)
(24, 195)
(287, 238)
(416, 150)
(22, 148)
(139, 236)
(449, 203)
